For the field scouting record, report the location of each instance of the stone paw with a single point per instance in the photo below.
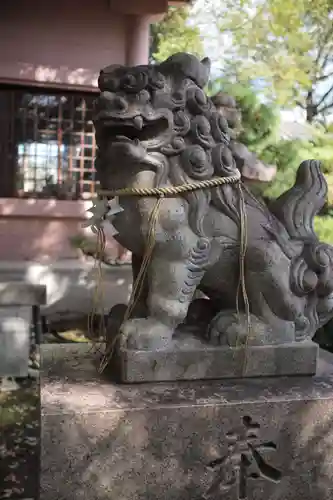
(230, 329)
(146, 334)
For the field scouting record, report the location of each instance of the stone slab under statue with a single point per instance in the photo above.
(187, 363)
(191, 358)
(266, 280)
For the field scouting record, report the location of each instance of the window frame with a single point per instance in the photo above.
(9, 162)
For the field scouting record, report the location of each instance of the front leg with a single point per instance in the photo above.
(176, 269)
(173, 283)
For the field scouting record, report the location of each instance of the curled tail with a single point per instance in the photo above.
(297, 207)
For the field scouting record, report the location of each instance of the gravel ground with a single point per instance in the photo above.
(19, 439)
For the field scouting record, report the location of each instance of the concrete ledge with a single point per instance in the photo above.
(22, 294)
(70, 285)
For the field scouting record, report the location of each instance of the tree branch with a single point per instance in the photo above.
(322, 46)
(323, 77)
(327, 59)
(322, 99)
(324, 108)
(298, 103)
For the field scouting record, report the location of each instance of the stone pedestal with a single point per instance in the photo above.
(249, 439)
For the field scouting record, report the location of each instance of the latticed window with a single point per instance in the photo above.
(47, 143)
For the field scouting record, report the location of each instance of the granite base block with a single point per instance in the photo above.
(254, 439)
(199, 363)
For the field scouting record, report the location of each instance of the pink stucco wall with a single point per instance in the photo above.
(63, 41)
(69, 41)
(41, 230)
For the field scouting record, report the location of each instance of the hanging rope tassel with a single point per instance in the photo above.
(137, 286)
(241, 288)
(98, 295)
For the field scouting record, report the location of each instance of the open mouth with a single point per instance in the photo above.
(137, 128)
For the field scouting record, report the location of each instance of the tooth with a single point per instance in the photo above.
(138, 122)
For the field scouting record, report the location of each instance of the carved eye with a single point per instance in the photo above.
(143, 96)
(120, 104)
(156, 80)
(134, 82)
(129, 81)
(107, 83)
(109, 78)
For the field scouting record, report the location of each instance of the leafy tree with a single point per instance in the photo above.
(174, 33)
(286, 46)
(289, 154)
(285, 154)
(259, 121)
(259, 124)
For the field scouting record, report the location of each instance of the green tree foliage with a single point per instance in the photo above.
(260, 133)
(289, 154)
(259, 120)
(285, 154)
(174, 33)
(324, 228)
(288, 45)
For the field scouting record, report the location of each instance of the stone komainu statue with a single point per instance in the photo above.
(156, 127)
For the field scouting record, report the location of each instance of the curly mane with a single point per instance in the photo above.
(199, 146)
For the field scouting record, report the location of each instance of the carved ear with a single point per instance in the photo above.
(206, 65)
(183, 65)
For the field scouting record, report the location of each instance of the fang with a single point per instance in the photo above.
(138, 122)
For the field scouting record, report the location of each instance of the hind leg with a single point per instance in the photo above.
(269, 271)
